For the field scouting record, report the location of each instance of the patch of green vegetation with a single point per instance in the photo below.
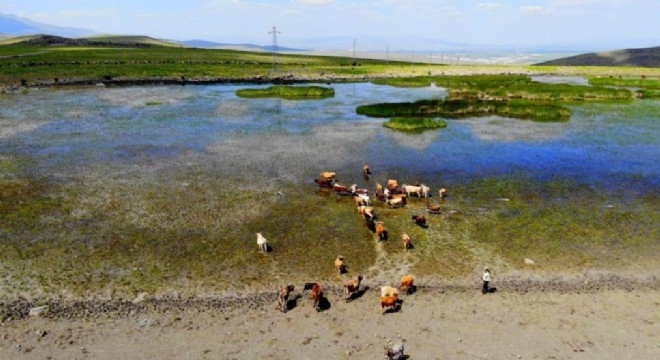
(505, 87)
(466, 108)
(515, 96)
(413, 124)
(153, 103)
(639, 82)
(288, 92)
(159, 235)
(649, 93)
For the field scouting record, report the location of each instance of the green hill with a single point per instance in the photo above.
(138, 40)
(95, 41)
(645, 57)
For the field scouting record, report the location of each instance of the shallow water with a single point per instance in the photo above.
(64, 132)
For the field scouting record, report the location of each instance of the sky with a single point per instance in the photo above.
(525, 22)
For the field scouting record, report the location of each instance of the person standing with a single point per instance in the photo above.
(487, 277)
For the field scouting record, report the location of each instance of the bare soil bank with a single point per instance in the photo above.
(604, 316)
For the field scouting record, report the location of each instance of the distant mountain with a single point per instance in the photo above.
(645, 57)
(245, 46)
(12, 25)
(99, 40)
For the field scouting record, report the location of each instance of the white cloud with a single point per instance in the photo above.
(314, 2)
(531, 9)
(490, 6)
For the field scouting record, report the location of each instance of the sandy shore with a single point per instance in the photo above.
(608, 317)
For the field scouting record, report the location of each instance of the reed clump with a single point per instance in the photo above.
(412, 124)
(288, 92)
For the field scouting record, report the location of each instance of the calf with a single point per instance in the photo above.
(262, 242)
(316, 295)
(283, 297)
(340, 265)
(406, 241)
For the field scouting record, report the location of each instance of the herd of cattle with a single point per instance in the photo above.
(393, 196)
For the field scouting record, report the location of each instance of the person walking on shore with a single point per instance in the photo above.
(487, 277)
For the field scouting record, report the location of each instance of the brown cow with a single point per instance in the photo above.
(283, 297)
(389, 302)
(407, 284)
(419, 220)
(381, 231)
(352, 286)
(317, 294)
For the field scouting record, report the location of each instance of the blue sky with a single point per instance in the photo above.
(527, 22)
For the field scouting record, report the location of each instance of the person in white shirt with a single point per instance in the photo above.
(487, 277)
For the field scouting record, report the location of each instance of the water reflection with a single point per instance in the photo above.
(68, 131)
(500, 129)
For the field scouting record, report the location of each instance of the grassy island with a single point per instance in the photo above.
(465, 108)
(288, 92)
(516, 96)
(412, 124)
(504, 87)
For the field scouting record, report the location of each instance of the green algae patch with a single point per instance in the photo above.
(467, 108)
(288, 92)
(411, 124)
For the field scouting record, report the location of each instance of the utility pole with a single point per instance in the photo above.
(354, 62)
(275, 55)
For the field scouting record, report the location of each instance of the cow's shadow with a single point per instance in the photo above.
(324, 304)
(358, 294)
(411, 290)
(293, 302)
(395, 308)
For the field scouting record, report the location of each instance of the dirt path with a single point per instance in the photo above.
(606, 317)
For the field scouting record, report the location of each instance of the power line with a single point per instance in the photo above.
(275, 54)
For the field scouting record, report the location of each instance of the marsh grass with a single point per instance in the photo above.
(515, 96)
(159, 236)
(414, 124)
(638, 82)
(466, 108)
(288, 92)
(649, 93)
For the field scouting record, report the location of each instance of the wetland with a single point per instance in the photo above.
(115, 191)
